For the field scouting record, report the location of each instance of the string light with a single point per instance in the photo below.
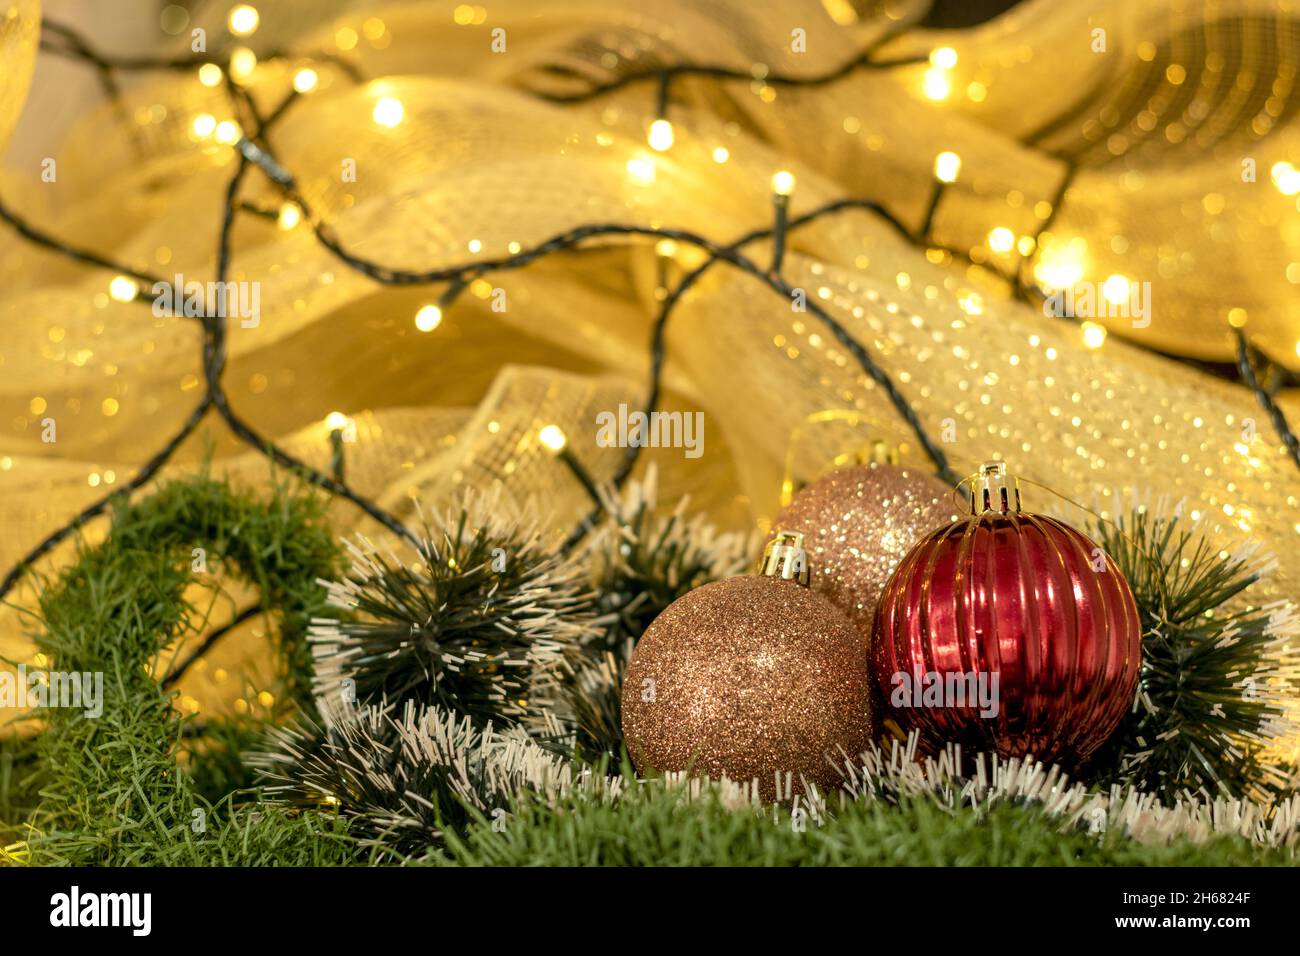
(243, 62)
(660, 136)
(945, 57)
(290, 216)
(936, 85)
(210, 74)
(947, 167)
(1286, 178)
(228, 132)
(641, 169)
(428, 318)
(304, 81)
(1115, 289)
(721, 154)
(1094, 335)
(1058, 272)
(243, 20)
(782, 187)
(553, 438)
(203, 125)
(389, 111)
(1002, 239)
(123, 288)
(337, 421)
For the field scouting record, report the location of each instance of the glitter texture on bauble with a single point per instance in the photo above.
(858, 522)
(752, 678)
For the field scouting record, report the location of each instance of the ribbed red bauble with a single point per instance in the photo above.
(1007, 632)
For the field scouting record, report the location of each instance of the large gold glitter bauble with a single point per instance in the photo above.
(752, 678)
(858, 523)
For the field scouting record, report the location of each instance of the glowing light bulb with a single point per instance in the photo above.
(428, 318)
(243, 62)
(389, 111)
(660, 136)
(1115, 289)
(553, 437)
(123, 288)
(937, 86)
(947, 167)
(1062, 263)
(945, 57)
(1002, 239)
(336, 421)
(1286, 178)
(210, 74)
(783, 182)
(228, 132)
(721, 154)
(290, 216)
(203, 125)
(642, 170)
(243, 20)
(667, 248)
(1058, 274)
(1094, 335)
(304, 81)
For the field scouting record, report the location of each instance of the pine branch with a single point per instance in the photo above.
(482, 624)
(1217, 672)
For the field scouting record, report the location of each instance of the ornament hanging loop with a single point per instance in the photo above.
(993, 489)
(785, 558)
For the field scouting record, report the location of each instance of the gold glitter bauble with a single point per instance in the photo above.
(749, 678)
(858, 523)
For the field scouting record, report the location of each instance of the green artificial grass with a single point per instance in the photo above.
(110, 789)
(654, 827)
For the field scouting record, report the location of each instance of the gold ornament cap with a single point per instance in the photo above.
(993, 489)
(785, 558)
(878, 452)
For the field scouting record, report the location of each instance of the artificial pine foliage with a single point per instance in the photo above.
(481, 623)
(1217, 671)
(402, 783)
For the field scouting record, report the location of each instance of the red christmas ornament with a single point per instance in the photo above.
(1008, 632)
